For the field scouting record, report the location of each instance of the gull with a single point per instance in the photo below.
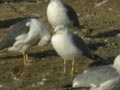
(100, 78)
(69, 46)
(59, 13)
(23, 35)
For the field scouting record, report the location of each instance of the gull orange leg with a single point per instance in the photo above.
(27, 62)
(72, 69)
(24, 58)
(64, 66)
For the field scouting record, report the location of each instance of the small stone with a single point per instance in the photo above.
(33, 85)
(16, 79)
(40, 83)
(1, 85)
(110, 9)
(106, 40)
(118, 35)
(44, 79)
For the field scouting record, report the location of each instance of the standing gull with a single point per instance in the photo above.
(24, 35)
(100, 78)
(59, 13)
(69, 46)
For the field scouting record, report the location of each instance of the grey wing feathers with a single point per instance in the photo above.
(72, 15)
(96, 75)
(13, 32)
(79, 43)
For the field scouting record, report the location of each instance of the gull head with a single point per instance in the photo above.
(116, 63)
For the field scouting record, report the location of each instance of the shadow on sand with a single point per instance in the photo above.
(106, 34)
(95, 46)
(9, 22)
(40, 55)
(107, 61)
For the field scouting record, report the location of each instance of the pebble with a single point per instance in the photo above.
(1, 85)
(16, 79)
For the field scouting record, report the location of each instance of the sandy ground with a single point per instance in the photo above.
(102, 21)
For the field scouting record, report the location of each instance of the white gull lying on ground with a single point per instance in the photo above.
(100, 78)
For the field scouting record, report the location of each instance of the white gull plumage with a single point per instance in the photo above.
(69, 46)
(24, 35)
(59, 13)
(101, 77)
